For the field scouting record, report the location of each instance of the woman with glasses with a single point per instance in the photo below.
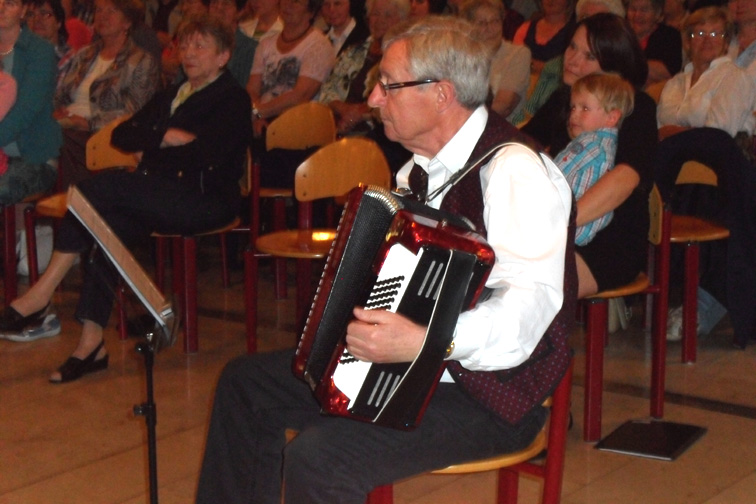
(705, 114)
(711, 90)
(28, 134)
(47, 19)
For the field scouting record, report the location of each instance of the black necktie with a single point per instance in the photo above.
(418, 182)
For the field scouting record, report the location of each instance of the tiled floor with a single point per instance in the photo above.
(80, 442)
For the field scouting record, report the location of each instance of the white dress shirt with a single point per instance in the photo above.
(526, 213)
(723, 97)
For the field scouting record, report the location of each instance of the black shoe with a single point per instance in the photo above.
(74, 368)
(12, 322)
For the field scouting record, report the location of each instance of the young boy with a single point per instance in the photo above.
(7, 99)
(598, 104)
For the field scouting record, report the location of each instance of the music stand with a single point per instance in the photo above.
(163, 334)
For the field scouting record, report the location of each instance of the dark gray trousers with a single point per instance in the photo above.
(332, 460)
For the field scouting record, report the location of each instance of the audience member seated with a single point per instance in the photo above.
(510, 65)
(264, 19)
(104, 81)
(606, 43)
(344, 30)
(548, 33)
(700, 111)
(158, 16)
(550, 77)
(347, 88)
(744, 14)
(524, 206)
(47, 19)
(675, 12)
(289, 67)
(170, 61)
(193, 141)
(245, 48)
(661, 44)
(29, 135)
(421, 8)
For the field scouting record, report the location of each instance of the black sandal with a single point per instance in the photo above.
(74, 368)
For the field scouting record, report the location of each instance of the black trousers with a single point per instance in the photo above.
(735, 205)
(134, 205)
(332, 460)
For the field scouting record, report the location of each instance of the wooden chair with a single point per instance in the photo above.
(184, 262)
(332, 171)
(552, 439)
(691, 232)
(307, 125)
(656, 283)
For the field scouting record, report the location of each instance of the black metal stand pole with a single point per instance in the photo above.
(149, 411)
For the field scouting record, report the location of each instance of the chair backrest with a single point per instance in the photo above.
(102, 155)
(693, 172)
(656, 213)
(338, 167)
(303, 126)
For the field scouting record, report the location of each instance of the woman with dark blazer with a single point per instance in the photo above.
(193, 141)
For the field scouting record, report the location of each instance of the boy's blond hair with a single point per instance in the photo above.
(612, 91)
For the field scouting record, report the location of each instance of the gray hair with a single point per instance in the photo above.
(443, 48)
(401, 6)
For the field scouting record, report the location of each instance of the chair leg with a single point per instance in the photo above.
(250, 298)
(508, 486)
(123, 332)
(304, 291)
(595, 337)
(381, 495)
(31, 245)
(553, 471)
(279, 264)
(9, 253)
(191, 343)
(690, 304)
(161, 250)
(224, 259)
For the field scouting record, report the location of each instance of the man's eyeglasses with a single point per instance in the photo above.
(705, 34)
(398, 85)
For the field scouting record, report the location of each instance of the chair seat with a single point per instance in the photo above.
(52, 206)
(687, 229)
(640, 284)
(276, 192)
(296, 244)
(223, 229)
(508, 460)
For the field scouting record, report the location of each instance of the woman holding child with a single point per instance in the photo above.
(604, 43)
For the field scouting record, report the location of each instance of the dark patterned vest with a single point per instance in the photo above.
(512, 393)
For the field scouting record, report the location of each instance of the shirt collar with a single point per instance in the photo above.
(456, 152)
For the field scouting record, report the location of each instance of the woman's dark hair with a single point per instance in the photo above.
(616, 48)
(58, 13)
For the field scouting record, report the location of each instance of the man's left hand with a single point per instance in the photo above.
(381, 336)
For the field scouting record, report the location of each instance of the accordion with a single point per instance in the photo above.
(396, 254)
